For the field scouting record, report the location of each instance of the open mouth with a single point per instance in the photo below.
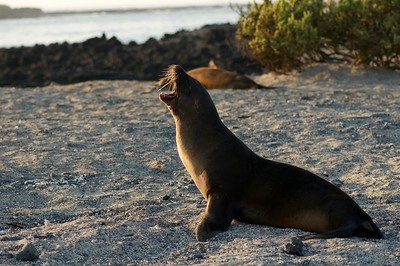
(170, 79)
(169, 95)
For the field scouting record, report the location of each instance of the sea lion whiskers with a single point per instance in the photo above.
(168, 79)
(166, 83)
(163, 85)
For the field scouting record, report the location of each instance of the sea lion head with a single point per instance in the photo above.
(185, 93)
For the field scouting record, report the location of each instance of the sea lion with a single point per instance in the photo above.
(216, 78)
(238, 184)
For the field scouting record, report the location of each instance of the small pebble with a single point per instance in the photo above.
(198, 256)
(166, 197)
(295, 247)
(27, 253)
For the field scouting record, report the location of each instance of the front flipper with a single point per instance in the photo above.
(217, 218)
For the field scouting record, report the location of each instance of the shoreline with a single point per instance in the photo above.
(128, 10)
(103, 58)
(41, 13)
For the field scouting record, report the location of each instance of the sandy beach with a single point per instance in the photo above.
(90, 174)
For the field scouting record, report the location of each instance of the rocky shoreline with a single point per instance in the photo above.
(103, 58)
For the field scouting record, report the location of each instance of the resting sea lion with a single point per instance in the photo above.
(238, 184)
(215, 78)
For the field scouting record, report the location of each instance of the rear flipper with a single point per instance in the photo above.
(363, 229)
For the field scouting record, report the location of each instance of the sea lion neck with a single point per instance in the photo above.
(195, 107)
(184, 119)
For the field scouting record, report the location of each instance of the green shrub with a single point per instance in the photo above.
(280, 34)
(285, 34)
(375, 35)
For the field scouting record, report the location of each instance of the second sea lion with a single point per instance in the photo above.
(216, 78)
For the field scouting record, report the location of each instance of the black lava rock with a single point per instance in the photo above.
(100, 58)
(27, 253)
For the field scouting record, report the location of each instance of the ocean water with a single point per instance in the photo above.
(138, 25)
